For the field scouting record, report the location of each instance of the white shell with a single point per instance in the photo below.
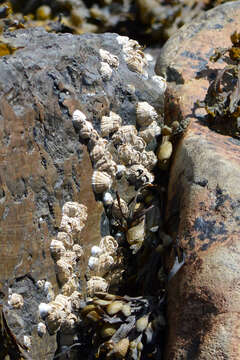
(86, 130)
(57, 249)
(146, 113)
(96, 283)
(132, 53)
(93, 262)
(96, 251)
(41, 329)
(70, 286)
(44, 309)
(110, 124)
(105, 71)
(16, 300)
(111, 59)
(79, 116)
(107, 198)
(101, 181)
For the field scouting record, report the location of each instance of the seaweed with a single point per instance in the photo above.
(222, 101)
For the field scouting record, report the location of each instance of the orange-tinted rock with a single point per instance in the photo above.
(203, 210)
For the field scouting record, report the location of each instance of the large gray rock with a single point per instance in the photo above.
(42, 162)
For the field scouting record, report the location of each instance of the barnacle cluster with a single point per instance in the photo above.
(222, 101)
(128, 258)
(66, 252)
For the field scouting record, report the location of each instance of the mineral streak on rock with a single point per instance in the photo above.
(41, 85)
(203, 198)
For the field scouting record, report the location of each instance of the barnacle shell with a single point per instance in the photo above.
(138, 174)
(124, 134)
(105, 71)
(78, 116)
(86, 130)
(148, 159)
(114, 307)
(96, 250)
(41, 329)
(119, 212)
(27, 341)
(149, 133)
(57, 249)
(98, 152)
(73, 218)
(108, 244)
(110, 124)
(53, 320)
(111, 59)
(96, 284)
(132, 53)
(76, 300)
(127, 155)
(104, 262)
(107, 165)
(78, 251)
(93, 262)
(142, 323)
(146, 113)
(70, 286)
(107, 198)
(101, 181)
(16, 300)
(44, 309)
(64, 271)
(65, 238)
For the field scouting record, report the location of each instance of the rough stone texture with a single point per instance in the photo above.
(203, 210)
(41, 84)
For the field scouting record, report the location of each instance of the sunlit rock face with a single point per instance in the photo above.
(203, 197)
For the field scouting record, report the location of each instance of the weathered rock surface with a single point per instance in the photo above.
(41, 84)
(203, 210)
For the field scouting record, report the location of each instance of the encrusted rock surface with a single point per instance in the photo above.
(41, 84)
(203, 210)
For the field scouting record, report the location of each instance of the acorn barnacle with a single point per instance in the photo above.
(96, 284)
(101, 181)
(16, 301)
(146, 113)
(110, 124)
(150, 132)
(124, 134)
(108, 244)
(119, 208)
(105, 70)
(57, 249)
(111, 59)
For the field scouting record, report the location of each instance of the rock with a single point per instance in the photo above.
(203, 198)
(43, 164)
